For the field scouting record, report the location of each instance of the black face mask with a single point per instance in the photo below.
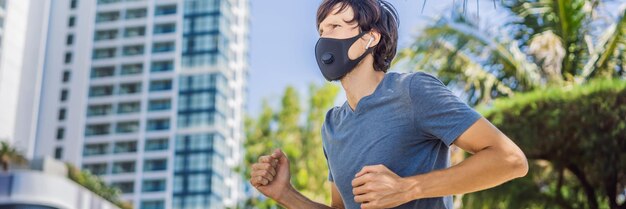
(332, 56)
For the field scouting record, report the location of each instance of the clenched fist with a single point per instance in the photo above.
(270, 175)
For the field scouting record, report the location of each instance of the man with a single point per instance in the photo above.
(387, 146)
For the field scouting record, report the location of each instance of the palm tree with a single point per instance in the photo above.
(9, 155)
(544, 43)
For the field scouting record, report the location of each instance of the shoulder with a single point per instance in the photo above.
(414, 80)
(415, 84)
(424, 85)
(422, 79)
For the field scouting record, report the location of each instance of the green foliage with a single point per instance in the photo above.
(96, 185)
(297, 131)
(575, 136)
(9, 155)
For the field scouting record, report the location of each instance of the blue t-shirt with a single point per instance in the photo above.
(407, 124)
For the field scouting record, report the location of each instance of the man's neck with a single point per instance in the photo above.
(361, 82)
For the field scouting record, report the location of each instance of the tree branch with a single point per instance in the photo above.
(589, 191)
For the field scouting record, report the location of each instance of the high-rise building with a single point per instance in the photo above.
(23, 26)
(148, 94)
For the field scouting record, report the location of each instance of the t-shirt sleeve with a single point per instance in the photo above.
(437, 111)
(330, 175)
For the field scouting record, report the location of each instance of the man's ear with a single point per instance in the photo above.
(373, 34)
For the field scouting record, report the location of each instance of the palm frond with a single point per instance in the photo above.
(606, 48)
(568, 19)
(515, 62)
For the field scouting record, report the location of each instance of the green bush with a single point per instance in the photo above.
(96, 185)
(575, 137)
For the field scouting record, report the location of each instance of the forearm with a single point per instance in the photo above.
(294, 199)
(485, 169)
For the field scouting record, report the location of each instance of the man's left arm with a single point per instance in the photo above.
(495, 160)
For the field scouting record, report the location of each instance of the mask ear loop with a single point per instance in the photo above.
(368, 43)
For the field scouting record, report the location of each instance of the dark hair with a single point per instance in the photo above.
(379, 15)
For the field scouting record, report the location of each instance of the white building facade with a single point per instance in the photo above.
(23, 26)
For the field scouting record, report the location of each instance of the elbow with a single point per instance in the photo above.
(518, 164)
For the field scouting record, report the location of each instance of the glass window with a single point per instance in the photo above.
(195, 201)
(201, 24)
(219, 144)
(155, 165)
(159, 104)
(200, 43)
(123, 167)
(165, 10)
(179, 163)
(125, 147)
(73, 4)
(101, 72)
(103, 53)
(107, 16)
(60, 133)
(201, 6)
(158, 124)
(136, 13)
(180, 143)
(218, 186)
(162, 66)
(157, 144)
(161, 47)
(127, 127)
(96, 168)
(68, 57)
(199, 161)
(66, 76)
(131, 69)
(105, 35)
(161, 85)
(178, 184)
(99, 91)
(99, 110)
(219, 166)
(200, 141)
(128, 107)
(197, 183)
(108, 1)
(96, 149)
(152, 204)
(199, 60)
(64, 95)
(203, 100)
(69, 40)
(164, 28)
(62, 114)
(132, 50)
(130, 88)
(154, 185)
(126, 187)
(71, 21)
(186, 120)
(134, 32)
(58, 153)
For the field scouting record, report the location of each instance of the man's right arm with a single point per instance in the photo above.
(270, 175)
(295, 199)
